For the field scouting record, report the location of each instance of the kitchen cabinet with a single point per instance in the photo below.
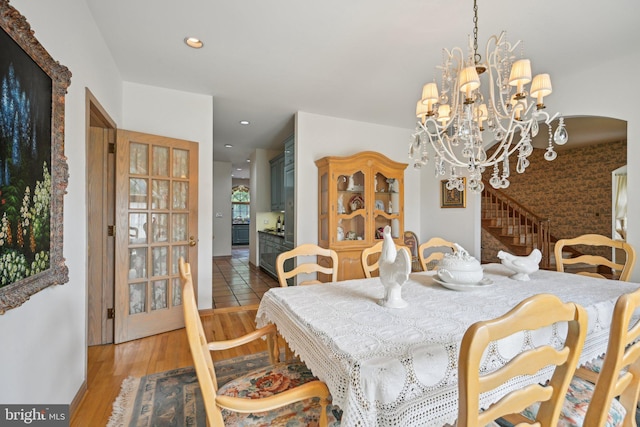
(240, 234)
(277, 183)
(358, 196)
(271, 245)
(289, 190)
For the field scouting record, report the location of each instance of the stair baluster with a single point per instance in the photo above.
(519, 229)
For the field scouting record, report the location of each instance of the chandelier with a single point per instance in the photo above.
(456, 121)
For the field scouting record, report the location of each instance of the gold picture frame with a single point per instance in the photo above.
(453, 198)
(34, 178)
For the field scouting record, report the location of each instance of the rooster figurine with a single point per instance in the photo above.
(522, 265)
(395, 266)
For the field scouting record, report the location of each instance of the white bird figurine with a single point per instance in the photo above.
(395, 266)
(522, 265)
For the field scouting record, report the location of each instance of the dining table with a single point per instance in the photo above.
(399, 366)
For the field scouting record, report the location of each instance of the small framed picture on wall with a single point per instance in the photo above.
(453, 198)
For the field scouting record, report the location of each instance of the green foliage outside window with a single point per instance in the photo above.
(240, 204)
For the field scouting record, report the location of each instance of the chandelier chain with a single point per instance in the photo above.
(476, 56)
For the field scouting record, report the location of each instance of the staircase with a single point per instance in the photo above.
(517, 228)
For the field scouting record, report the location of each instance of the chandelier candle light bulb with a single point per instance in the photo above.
(464, 118)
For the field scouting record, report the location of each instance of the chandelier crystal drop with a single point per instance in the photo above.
(456, 120)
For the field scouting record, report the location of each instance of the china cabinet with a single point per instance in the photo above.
(357, 196)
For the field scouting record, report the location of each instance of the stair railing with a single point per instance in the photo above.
(525, 223)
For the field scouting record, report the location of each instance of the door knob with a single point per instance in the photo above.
(192, 241)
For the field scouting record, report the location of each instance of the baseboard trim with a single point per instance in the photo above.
(214, 311)
(75, 403)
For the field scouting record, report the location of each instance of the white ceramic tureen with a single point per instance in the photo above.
(459, 268)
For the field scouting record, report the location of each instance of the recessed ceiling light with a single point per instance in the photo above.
(228, 145)
(244, 122)
(193, 42)
(238, 169)
(248, 160)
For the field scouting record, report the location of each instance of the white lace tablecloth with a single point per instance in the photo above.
(398, 367)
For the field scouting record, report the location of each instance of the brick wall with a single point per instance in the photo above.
(573, 191)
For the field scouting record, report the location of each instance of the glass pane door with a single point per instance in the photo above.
(161, 183)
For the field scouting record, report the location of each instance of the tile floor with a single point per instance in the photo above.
(236, 282)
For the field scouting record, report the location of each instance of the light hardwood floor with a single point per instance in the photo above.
(109, 365)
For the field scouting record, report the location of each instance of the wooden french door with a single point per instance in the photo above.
(156, 224)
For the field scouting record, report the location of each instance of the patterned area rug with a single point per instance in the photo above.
(173, 398)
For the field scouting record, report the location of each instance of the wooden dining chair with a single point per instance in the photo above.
(615, 375)
(430, 261)
(371, 268)
(306, 250)
(526, 316)
(410, 241)
(251, 399)
(600, 262)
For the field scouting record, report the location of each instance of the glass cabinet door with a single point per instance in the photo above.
(386, 205)
(351, 207)
(324, 207)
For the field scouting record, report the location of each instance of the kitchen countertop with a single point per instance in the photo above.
(271, 232)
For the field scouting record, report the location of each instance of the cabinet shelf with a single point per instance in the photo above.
(386, 215)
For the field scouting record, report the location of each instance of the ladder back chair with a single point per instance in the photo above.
(615, 375)
(307, 249)
(410, 240)
(429, 262)
(625, 269)
(370, 268)
(304, 401)
(523, 317)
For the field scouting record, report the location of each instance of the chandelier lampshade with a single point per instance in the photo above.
(421, 110)
(429, 96)
(444, 113)
(520, 75)
(540, 88)
(483, 106)
(469, 81)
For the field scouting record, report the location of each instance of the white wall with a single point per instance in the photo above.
(459, 225)
(260, 198)
(221, 206)
(188, 116)
(44, 354)
(319, 136)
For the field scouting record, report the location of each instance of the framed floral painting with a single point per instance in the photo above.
(33, 168)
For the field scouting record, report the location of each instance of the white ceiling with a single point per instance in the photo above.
(358, 59)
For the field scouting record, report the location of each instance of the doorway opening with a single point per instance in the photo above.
(100, 176)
